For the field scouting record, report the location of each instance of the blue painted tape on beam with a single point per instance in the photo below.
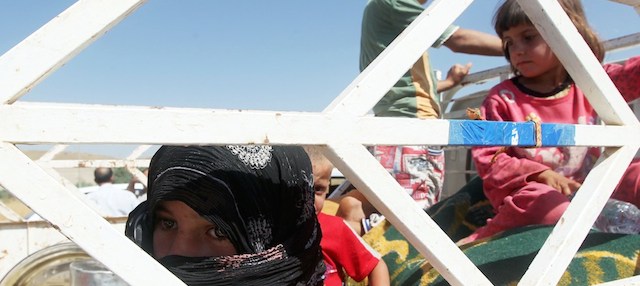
(501, 133)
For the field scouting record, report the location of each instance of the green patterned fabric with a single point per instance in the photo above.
(461, 213)
(505, 257)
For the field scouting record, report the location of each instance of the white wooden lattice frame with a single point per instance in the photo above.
(55, 43)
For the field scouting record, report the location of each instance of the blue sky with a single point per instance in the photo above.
(267, 55)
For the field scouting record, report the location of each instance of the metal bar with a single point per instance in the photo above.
(634, 3)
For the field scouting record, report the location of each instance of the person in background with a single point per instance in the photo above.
(231, 215)
(111, 201)
(343, 250)
(532, 185)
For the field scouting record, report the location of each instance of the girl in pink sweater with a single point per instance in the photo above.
(530, 185)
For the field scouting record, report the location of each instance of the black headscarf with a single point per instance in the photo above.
(261, 197)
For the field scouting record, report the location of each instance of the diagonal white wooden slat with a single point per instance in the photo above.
(367, 89)
(70, 186)
(50, 47)
(567, 236)
(9, 213)
(38, 190)
(382, 190)
(55, 150)
(631, 281)
(558, 31)
(135, 154)
(576, 56)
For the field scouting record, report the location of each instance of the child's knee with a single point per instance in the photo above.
(628, 189)
(350, 205)
(543, 207)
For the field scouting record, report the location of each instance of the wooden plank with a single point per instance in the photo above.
(55, 43)
(370, 85)
(111, 163)
(384, 192)
(108, 124)
(77, 221)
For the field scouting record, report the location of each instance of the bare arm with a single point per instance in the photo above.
(455, 75)
(379, 275)
(559, 182)
(474, 42)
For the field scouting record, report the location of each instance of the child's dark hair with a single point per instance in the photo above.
(510, 14)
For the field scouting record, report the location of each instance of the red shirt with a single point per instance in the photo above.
(342, 248)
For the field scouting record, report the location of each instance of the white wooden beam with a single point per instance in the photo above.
(110, 163)
(370, 85)
(47, 197)
(55, 43)
(384, 192)
(70, 186)
(74, 124)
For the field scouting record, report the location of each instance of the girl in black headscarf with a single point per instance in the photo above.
(231, 215)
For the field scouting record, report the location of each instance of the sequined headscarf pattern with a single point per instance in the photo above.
(261, 197)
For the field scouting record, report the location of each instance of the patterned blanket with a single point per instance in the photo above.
(503, 258)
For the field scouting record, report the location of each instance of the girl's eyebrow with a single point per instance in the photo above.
(161, 208)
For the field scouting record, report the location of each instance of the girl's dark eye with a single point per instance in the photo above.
(217, 233)
(166, 224)
(530, 38)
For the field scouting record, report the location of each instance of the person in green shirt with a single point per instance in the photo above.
(419, 169)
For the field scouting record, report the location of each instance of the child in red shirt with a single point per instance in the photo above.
(342, 248)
